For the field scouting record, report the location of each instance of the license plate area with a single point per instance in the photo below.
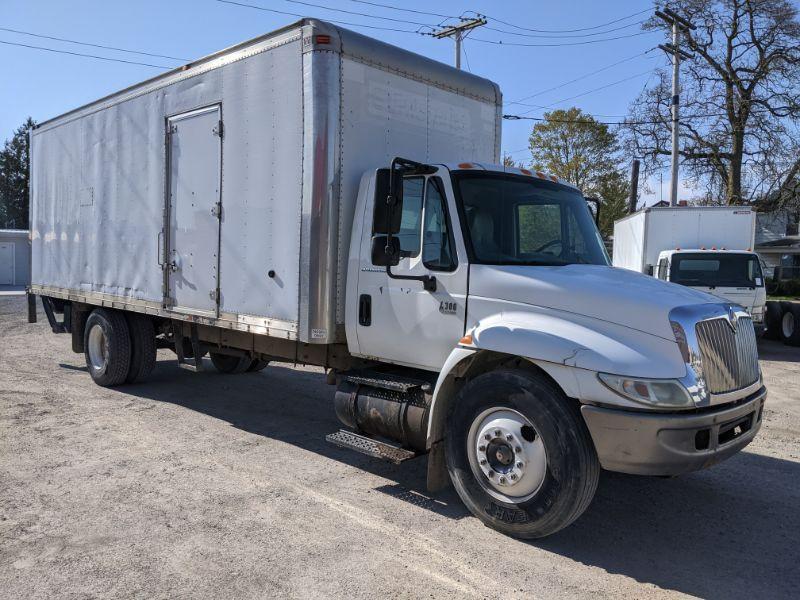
(735, 429)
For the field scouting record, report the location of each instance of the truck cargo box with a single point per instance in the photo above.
(640, 237)
(223, 191)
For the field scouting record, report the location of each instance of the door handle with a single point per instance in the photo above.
(160, 248)
(365, 310)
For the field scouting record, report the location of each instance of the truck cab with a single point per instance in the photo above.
(732, 275)
(491, 288)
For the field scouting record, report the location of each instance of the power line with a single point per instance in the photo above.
(636, 14)
(562, 36)
(409, 10)
(602, 87)
(527, 45)
(361, 14)
(587, 75)
(291, 14)
(119, 60)
(58, 39)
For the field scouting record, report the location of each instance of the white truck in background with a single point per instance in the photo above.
(709, 248)
(251, 205)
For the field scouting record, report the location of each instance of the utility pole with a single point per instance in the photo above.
(678, 23)
(634, 192)
(457, 32)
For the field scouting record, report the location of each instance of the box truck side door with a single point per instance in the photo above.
(399, 321)
(194, 207)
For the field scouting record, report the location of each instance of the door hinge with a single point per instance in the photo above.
(172, 129)
(216, 210)
(213, 295)
(219, 129)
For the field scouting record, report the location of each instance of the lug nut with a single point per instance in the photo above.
(487, 437)
(491, 473)
(483, 461)
(497, 433)
(509, 437)
(513, 476)
(482, 448)
(519, 465)
(517, 449)
(502, 480)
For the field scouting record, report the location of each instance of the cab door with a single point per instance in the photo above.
(399, 321)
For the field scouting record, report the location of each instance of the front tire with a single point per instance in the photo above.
(107, 347)
(533, 469)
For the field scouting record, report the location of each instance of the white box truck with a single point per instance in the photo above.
(251, 206)
(709, 248)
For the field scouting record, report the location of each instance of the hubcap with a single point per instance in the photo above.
(788, 324)
(98, 348)
(506, 454)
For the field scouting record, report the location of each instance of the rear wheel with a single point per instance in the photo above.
(107, 347)
(143, 347)
(519, 454)
(257, 365)
(230, 365)
(790, 324)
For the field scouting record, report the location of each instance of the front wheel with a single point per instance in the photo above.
(519, 454)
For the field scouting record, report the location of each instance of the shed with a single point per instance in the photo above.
(15, 263)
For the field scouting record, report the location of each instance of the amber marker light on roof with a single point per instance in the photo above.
(465, 165)
(525, 172)
(323, 39)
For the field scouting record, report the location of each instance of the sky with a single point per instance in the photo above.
(534, 78)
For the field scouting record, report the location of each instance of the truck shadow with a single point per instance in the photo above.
(777, 351)
(727, 532)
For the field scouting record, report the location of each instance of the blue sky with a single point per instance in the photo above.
(43, 84)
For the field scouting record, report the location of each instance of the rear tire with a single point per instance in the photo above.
(107, 347)
(790, 324)
(143, 347)
(230, 365)
(553, 450)
(257, 365)
(772, 321)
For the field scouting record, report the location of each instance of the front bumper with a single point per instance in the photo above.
(643, 443)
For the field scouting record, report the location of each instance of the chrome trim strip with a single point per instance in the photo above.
(277, 328)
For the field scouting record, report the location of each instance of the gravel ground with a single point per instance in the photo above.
(207, 486)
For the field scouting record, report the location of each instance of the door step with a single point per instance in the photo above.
(386, 381)
(369, 446)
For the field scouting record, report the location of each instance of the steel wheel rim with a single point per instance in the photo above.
(98, 348)
(515, 480)
(787, 324)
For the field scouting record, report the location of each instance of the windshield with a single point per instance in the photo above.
(517, 220)
(716, 270)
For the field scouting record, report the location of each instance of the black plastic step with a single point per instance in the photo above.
(369, 446)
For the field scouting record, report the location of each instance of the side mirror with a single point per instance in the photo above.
(388, 201)
(596, 202)
(385, 251)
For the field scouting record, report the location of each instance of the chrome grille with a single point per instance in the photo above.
(730, 357)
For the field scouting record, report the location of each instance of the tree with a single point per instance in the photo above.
(577, 148)
(740, 98)
(14, 179)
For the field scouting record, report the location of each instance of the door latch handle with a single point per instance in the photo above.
(216, 210)
(172, 266)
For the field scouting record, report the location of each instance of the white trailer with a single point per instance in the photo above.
(709, 248)
(252, 206)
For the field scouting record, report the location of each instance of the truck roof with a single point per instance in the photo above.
(706, 250)
(324, 36)
(466, 166)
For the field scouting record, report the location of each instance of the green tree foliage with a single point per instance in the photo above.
(577, 148)
(14, 179)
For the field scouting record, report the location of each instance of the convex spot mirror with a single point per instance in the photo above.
(388, 202)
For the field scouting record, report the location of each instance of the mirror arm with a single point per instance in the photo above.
(428, 281)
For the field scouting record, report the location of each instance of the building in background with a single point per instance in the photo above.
(778, 243)
(15, 263)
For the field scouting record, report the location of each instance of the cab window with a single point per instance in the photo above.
(411, 220)
(437, 248)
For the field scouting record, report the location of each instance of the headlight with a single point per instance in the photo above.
(654, 392)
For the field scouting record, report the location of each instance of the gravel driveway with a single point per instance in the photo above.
(207, 486)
